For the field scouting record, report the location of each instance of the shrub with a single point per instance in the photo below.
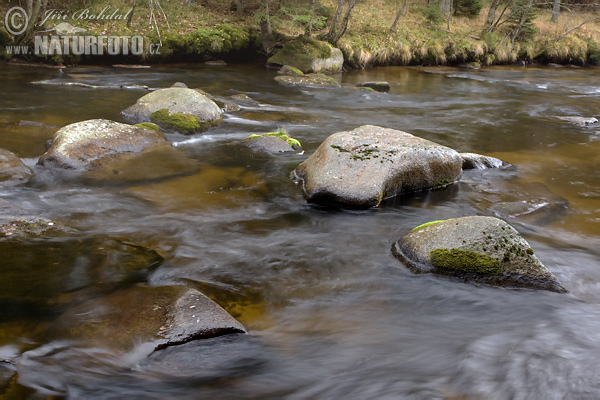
(433, 14)
(467, 8)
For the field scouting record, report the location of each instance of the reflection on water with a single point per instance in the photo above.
(331, 312)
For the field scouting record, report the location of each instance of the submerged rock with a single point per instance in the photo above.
(309, 55)
(90, 144)
(581, 121)
(477, 161)
(361, 167)
(311, 80)
(157, 317)
(377, 86)
(62, 270)
(16, 222)
(12, 170)
(176, 109)
(479, 249)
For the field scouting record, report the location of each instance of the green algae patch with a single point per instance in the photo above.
(184, 123)
(148, 125)
(281, 134)
(464, 261)
(430, 223)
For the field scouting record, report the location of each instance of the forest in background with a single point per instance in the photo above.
(370, 33)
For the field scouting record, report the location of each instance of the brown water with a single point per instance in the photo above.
(332, 314)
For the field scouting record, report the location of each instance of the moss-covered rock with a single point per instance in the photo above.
(148, 125)
(289, 70)
(309, 55)
(430, 223)
(479, 249)
(273, 142)
(181, 122)
(383, 87)
(358, 168)
(176, 109)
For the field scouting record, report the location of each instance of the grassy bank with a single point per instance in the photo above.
(210, 30)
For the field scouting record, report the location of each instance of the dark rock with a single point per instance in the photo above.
(359, 168)
(309, 55)
(477, 161)
(377, 86)
(216, 63)
(176, 109)
(158, 316)
(179, 85)
(269, 144)
(244, 100)
(12, 170)
(311, 80)
(479, 249)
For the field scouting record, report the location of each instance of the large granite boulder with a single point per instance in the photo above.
(88, 144)
(479, 249)
(309, 55)
(177, 109)
(12, 170)
(155, 316)
(359, 168)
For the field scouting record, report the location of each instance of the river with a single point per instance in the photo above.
(331, 313)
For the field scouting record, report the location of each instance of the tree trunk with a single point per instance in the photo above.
(266, 31)
(35, 10)
(344, 25)
(237, 6)
(334, 21)
(490, 17)
(398, 15)
(555, 10)
(309, 26)
(446, 6)
(522, 21)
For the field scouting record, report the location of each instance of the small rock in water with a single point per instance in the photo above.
(377, 86)
(13, 171)
(479, 249)
(477, 161)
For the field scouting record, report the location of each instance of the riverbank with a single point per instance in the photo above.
(212, 31)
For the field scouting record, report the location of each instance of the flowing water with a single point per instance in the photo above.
(331, 313)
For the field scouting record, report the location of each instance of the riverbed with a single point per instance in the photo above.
(331, 313)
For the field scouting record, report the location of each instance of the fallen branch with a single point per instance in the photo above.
(577, 27)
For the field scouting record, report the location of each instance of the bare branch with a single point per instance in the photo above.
(577, 27)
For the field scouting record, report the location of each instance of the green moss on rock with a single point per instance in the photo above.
(300, 52)
(148, 125)
(464, 261)
(281, 134)
(184, 123)
(430, 223)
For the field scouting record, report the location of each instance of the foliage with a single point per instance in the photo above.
(593, 55)
(520, 9)
(467, 8)
(433, 14)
